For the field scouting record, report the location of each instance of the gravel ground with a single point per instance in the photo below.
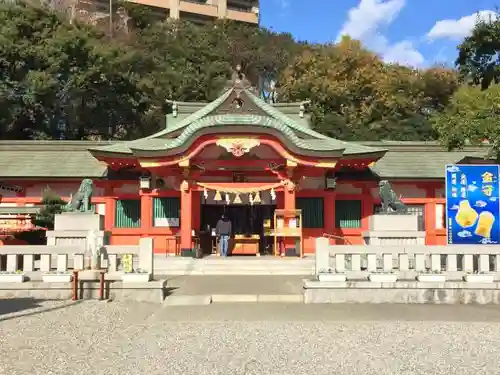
(137, 338)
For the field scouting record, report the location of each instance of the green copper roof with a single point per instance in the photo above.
(205, 111)
(320, 144)
(301, 138)
(49, 159)
(70, 159)
(420, 159)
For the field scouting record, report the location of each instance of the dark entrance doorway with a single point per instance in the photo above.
(247, 221)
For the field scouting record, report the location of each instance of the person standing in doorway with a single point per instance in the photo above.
(223, 230)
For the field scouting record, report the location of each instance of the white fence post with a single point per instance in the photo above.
(78, 262)
(467, 263)
(11, 262)
(484, 263)
(28, 263)
(112, 263)
(62, 262)
(322, 262)
(45, 262)
(340, 263)
(372, 262)
(451, 263)
(436, 262)
(404, 262)
(356, 262)
(146, 257)
(419, 262)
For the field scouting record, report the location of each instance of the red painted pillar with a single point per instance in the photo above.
(430, 217)
(196, 210)
(186, 216)
(289, 203)
(366, 208)
(146, 214)
(329, 214)
(109, 214)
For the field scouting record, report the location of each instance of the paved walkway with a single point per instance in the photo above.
(63, 338)
(241, 285)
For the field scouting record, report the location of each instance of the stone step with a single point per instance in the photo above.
(231, 265)
(234, 266)
(201, 300)
(305, 270)
(183, 300)
(234, 272)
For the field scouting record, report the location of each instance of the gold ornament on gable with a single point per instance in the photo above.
(238, 146)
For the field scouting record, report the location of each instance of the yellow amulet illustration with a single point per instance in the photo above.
(484, 224)
(466, 216)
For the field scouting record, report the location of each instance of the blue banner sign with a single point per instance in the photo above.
(472, 204)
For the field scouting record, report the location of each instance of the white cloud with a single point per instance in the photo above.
(368, 16)
(284, 4)
(458, 29)
(365, 23)
(403, 53)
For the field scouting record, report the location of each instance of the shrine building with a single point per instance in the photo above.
(261, 164)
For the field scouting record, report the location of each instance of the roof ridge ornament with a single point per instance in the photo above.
(174, 109)
(238, 81)
(302, 107)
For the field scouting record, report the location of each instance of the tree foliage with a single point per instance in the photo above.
(52, 205)
(477, 60)
(356, 96)
(61, 79)
(472, 116)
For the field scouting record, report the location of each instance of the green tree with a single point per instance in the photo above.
(194, 61)
(477, 60)
(471, 116)
(61, 79)
(68, 81)
(52, 205)
(356, 96)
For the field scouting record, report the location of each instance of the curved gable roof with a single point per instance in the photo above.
(303, 139)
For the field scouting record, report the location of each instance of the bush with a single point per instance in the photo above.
(52, 205)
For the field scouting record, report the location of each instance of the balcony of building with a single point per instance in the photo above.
(164, 4)
(243, 11)
(201, 7)
(204, 10)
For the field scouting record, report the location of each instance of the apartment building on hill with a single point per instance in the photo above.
(201, 10)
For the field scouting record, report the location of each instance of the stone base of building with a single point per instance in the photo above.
(153, 291)
(407, 292)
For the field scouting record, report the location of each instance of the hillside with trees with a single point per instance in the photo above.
(64, 78)
(473, 113)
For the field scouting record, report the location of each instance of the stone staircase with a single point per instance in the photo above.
(265, 265)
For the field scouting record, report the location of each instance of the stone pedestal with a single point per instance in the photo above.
(78, 221)
(72, 228)
(82, 230)
(394, 230)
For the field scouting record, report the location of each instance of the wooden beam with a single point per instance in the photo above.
(231, 163)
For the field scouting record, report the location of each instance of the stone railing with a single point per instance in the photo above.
(407, 261)
(63, 258)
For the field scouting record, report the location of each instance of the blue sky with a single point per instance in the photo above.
(411, 32)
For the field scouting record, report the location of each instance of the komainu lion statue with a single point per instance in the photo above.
(81, 200)
(390, 200)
